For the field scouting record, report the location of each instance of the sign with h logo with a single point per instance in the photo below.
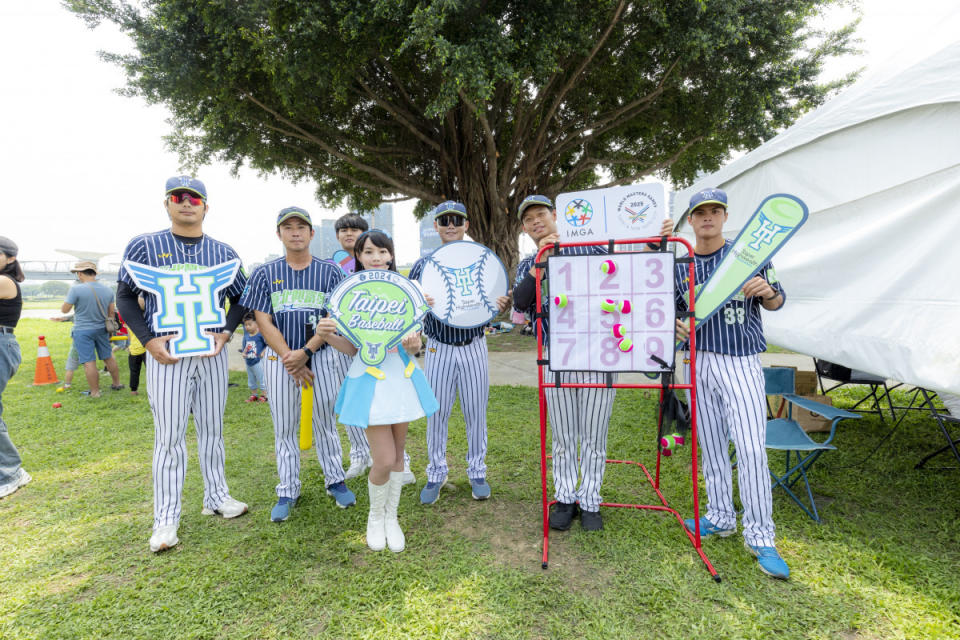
(187, 303)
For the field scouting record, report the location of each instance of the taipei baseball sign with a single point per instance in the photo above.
(374, 309)
(188, 303)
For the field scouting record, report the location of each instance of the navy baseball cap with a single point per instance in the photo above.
(186, 183)
(707, 196)
(450, 206)
(293, 212)
(534, 200)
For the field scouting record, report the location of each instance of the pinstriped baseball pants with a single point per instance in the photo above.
(197, 385)
(359, 447)
(447, 369)
(579, 417)
(284, 397)
(731, 405)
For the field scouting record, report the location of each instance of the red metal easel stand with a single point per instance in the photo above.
(654, 481)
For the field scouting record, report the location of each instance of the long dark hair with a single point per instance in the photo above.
(378, 238)
(14, 270)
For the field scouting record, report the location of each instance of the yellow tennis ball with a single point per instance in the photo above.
(560, 300)
(609, 306)
(609, 267)
(625, 345)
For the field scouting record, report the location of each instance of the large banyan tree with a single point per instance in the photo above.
(480, 101)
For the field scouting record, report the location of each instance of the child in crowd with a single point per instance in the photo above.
(252, 350)
(136, 356)
(386, 413)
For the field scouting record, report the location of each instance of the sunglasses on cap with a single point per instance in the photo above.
(450, 219)
(185, 196)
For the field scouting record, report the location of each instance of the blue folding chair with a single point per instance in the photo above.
(785, 434)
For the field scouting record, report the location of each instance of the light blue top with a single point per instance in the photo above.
(87, 314)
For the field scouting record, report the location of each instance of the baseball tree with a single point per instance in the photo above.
(480, 101)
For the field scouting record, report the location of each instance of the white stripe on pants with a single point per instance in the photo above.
(197, 385)
(579, 416)
(448, 368)
(731, 404)
(356, 436)
(283, 394)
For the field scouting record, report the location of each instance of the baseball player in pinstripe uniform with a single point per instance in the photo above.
(287, 296)
(179, 386)
(456, 359)
(577, 416)
(730, 390)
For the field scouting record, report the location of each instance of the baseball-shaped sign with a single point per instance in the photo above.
(464, 279)
(374, 309)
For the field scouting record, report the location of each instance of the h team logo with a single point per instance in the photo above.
(635, 208)
(187, 303)
(579, 212)
(765, 232)
(465, 278)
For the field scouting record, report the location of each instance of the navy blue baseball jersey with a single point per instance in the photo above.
(527, 263)
(736, 329)
(162, 249)
(294, 297)
(437, 329)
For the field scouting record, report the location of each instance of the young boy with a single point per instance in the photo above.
(252, 350)
(730, 390)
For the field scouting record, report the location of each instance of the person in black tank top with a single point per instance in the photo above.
(12, 474)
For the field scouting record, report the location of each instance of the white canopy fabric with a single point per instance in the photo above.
(873, 277)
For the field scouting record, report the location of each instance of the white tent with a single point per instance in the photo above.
(873, 278)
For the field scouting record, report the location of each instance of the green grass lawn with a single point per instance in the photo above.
(42, 304)
(74, 560)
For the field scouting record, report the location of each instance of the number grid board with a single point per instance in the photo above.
(586, 309)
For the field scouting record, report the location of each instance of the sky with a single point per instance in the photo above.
(91, 164)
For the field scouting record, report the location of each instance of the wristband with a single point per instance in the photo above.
(308, 351)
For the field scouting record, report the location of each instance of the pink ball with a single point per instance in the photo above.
(624, 306)
(618, 331)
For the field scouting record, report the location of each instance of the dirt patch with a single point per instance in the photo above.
(511, 534)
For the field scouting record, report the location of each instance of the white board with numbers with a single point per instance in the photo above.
(586, 303)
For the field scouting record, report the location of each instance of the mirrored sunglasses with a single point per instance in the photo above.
(185, 196)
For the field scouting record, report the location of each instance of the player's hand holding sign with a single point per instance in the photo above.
(157, 347)
(220, 338)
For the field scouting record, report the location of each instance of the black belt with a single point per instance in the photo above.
(6, 330)
(457, 344)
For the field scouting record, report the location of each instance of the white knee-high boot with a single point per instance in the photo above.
(376, 536)
(395, 537)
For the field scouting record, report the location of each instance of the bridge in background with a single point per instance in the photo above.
(59, 270)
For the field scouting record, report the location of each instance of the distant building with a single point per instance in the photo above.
(325, 244)
(381, 218)
(429, 238)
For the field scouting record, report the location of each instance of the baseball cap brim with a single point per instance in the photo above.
(533, 202)
(700, 204)
(449, 210)
(294, 214)
(202, 195)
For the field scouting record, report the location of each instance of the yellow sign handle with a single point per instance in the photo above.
(306, 417)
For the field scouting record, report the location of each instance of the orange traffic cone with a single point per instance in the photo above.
(44, 373)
